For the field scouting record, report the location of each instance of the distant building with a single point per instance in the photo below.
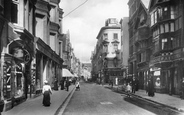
(124, 46)
(106, 57)
(86, 71)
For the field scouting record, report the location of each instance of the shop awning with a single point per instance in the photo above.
(66, 73)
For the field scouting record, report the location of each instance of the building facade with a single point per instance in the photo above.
(140, 41)
(167, 52)
(124, 46)
(30, 48)
(106, 60)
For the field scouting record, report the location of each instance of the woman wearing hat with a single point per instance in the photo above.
(46, 93)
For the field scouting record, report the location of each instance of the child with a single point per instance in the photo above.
(78, 85)
(128, 89)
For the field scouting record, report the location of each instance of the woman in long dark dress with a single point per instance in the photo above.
(151, 88)
(46, 94)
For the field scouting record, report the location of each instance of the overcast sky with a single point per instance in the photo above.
(86, 21)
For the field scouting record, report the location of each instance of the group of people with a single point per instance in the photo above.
(47, 90)
(132, 87)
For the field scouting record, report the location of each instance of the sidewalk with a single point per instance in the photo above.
(162, 99)
(35, 107)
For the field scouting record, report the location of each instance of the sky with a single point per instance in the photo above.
(85, 22)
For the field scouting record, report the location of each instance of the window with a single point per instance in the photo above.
(172, 12)
(160, 14)
(176, 42)
(164, 44)
(171, 43)
(155, 20)
(105, 36)
(14, 12)
(172, 27)
(105, 48)
(115, 36)
(178, 23)
(53, 41)
(156, 46)
(161, 29)
(152, 19)
(115, 46)
(166, 27)
(53, 14)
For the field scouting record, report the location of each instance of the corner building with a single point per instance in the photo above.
(166, 62)
(108, 52)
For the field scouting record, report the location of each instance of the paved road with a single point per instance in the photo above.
(94, 99)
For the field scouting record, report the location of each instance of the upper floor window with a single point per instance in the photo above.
(105, 35)
(53, 14)
(14, 11)
(164, 44)
(115, 46)
(115, 36)
(105, 49)
(163, 13)
(178, 23)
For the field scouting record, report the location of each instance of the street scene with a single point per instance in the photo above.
(92, 57)
(95, 99)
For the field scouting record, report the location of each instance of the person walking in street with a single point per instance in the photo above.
(151, 89)
(46, 90)
(55, 84)
(128, 89)
(78, 86)
(182, 88)
(67, 84)
(62, 84)
(134, 85)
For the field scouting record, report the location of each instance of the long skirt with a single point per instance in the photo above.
(46, 98)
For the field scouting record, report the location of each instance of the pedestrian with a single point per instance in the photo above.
(62, 83)
(67, 84)
(128, 89)
(134, 85)
(46, 90)
(78, 86)
(182, 88)
(151, 89)
(55, 84)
